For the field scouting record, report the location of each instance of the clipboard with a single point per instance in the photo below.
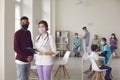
(32, 49)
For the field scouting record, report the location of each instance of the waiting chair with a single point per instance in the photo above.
(99, 73)
(62, 62)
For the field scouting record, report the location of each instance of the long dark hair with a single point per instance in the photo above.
(113, 34)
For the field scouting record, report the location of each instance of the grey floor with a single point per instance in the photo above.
(74, 68)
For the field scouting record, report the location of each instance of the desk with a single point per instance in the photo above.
(85, 57)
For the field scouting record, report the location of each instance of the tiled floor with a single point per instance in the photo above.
(74, 68)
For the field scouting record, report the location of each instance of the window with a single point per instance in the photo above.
(17, 14)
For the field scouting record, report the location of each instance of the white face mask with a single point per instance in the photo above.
(102, 43)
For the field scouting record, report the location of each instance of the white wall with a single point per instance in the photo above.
(36, 14)
(2, 7)
(7, 27)
(53, 17)
(100, 16)
(9, 57)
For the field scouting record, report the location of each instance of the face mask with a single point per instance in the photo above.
(102, 43)
(41, 30)
(25, 26)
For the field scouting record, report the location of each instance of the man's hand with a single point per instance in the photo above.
(29, 58)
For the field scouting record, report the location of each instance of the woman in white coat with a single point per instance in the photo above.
(45, 44)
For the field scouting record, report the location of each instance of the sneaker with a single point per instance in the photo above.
(75, 55)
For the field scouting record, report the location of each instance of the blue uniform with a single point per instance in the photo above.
(106, 48)
(87, 38)
(76, 43)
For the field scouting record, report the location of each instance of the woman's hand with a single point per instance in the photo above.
(49, 53)
(44, 53)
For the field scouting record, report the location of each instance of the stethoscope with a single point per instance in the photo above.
(45, 39)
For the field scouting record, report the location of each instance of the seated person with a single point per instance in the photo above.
(105, 51)
(113, 43)
(96, 41)
(76, 43)
(94, 55)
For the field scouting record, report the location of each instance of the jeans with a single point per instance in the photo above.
(23, 71)
(76, 50)
(113, 48)
(108, 71)
(44, 72)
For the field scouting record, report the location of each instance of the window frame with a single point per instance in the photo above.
(18, 4)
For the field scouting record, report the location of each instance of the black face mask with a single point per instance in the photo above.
(25, 26)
